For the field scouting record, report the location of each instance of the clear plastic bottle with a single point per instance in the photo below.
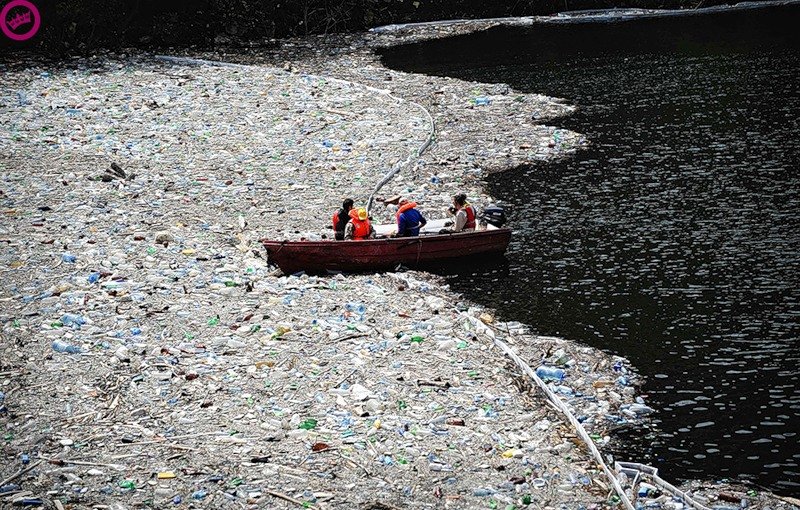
(74, 320)
(358, 308)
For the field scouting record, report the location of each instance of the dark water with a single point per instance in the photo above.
(675, 239)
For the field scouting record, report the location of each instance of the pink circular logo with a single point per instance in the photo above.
(20, 20)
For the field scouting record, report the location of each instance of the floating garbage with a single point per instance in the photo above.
(60, 346)
(134, 195)
(550, 373)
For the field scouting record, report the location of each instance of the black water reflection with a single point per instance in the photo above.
(674, 239)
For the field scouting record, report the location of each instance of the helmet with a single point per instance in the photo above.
(362, 213)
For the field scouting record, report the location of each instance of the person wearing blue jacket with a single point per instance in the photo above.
(409, 220)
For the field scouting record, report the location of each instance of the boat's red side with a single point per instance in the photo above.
(377, 254)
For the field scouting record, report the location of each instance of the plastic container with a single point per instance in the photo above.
(74, 320)
(358, 308)
(60, 346)
(483, 492)
(550, 373)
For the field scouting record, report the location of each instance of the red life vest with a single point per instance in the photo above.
(335, 220)
(361, 228)
(470, 216)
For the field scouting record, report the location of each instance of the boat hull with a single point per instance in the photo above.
(383, 254)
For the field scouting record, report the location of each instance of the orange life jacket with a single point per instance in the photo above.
(470, 216)
(404, 208)
(361, 228)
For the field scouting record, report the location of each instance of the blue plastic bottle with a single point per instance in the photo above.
(550, 373)
(60, 346)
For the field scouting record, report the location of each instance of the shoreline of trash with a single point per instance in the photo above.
(152, 358)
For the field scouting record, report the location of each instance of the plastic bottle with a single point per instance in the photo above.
(22, 98)
(199, 494)
(639, 409)
(127, 484)
(550, 373)
(71, 319)
(539, 482)
(11, 487)
(309, 424)
(564, 390)
(29, 502)
(438, 466)
(483, 492)
(358, 308)
(60, 346)
(645, 489)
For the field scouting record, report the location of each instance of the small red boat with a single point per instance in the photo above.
(388, 253)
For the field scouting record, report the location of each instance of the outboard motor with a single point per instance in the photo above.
(495, 214)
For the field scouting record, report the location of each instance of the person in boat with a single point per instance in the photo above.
(464, 213)
(340, 219)
(359, 227)
(409, 220)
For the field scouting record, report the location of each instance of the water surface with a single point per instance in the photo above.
(674, 240)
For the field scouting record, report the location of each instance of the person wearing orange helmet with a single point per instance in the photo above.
(359, 227)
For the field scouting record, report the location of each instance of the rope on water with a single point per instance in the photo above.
(395, 168)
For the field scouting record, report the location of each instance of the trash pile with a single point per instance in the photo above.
(643, 485)
(480, 127)
(261, 137)
(151, 357)
(324, 390)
